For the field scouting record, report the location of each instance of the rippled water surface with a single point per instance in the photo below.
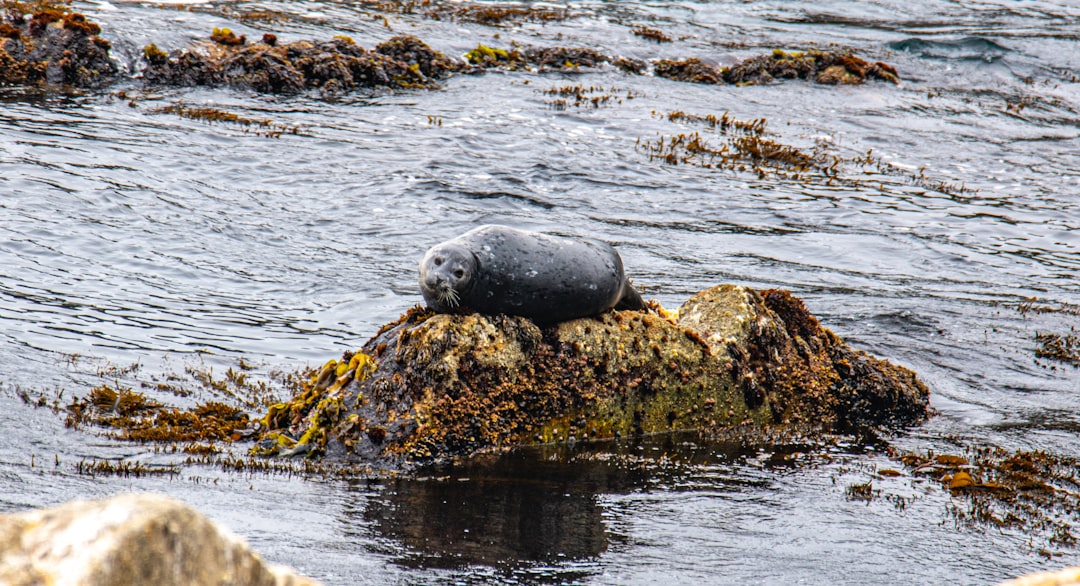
(129, 235)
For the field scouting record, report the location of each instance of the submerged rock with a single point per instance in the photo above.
(435, 386)
(54, 47)
(129, 539)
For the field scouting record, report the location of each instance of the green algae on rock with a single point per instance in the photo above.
(52, 47)
(55, 46)
(435, 387)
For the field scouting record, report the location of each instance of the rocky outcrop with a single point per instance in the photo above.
(830, 68)
(52, 46)
(334, 65)
(129, 539)
(432, 387)
(57, 47)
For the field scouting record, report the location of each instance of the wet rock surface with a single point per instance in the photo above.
(434, 387)
(129, 539)
(825, 67)
(54, 47)
(331, 66)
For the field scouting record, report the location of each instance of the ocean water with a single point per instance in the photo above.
(136, 244)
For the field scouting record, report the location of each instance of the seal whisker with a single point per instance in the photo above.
(450, 297)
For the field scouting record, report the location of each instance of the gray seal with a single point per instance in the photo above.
(548, 279)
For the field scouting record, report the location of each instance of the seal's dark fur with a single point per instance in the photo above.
(549, 279)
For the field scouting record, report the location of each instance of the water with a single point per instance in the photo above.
(135, 236)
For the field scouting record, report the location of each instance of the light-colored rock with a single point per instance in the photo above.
(129, 539)
(1066, 577)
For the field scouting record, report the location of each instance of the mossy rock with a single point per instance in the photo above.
(433, 387)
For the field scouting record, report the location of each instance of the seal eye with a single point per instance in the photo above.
(459, 273)
(438, 260)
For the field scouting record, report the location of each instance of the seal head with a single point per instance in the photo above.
(446, 274)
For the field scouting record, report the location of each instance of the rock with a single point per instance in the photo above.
(337, 64)
(53, 47)
(564, 57)
(691, 70)
(832, 68)
(129, 539)
(1065, 577)
(432, 387)
(57, 47)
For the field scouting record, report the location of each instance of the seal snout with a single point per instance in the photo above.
(443, 288)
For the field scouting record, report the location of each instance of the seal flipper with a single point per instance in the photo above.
(630, 298)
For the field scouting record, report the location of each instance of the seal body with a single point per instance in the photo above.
(549, 279)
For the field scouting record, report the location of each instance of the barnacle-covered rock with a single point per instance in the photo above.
(435, 386)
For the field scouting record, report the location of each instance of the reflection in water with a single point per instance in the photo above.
(539, 505)
(507, 510)
(490, 521)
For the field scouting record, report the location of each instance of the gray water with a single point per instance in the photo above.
(136, 237)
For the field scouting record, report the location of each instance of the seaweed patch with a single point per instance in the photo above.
(1031, 491)
(651, 34)
(260, 126)
(744, 146)
(747, 146)
(135, 417)
(580, 96)
(1061, 347)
